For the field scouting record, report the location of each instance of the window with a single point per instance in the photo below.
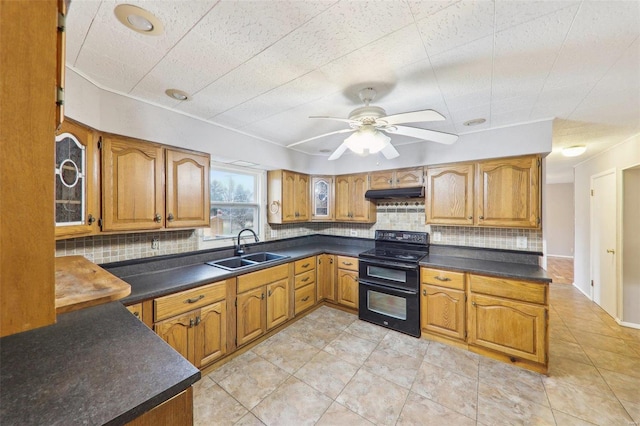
(235, 202)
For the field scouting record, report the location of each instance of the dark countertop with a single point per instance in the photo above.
(147, 285)
(98, 365)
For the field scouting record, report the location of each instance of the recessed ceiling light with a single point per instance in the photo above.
(178, 94)
(475, 122)
(138, 19)
(574, 151)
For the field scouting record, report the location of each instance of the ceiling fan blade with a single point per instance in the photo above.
(389, 152)
(338, 152)
(321, 136)
(413, 117)
(428, 135)
(324, 117)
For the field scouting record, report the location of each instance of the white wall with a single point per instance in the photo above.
(631, 247)
(120, 114)
(621, 156)
(559, 225)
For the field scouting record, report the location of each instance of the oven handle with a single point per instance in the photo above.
(387, 288)
(377, 262)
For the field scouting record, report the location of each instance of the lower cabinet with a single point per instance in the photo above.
(305, 284)
(262, 302)
(136, 310)
(443, 311)
(326, 277)
(347, 288)
(177, 411)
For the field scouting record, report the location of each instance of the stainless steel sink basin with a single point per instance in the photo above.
(263, 257)
(246, 261)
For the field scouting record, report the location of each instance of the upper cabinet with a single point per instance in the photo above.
(351, 205)
(322, 199)
(77, 181)
(133, 186)
(402, 178)
(495, 193)
(288, 197)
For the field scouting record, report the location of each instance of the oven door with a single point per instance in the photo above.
(389, 307)
(389, 274)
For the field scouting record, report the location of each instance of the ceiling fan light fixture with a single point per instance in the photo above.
(138, 19)
(367, 140)
(574, 151)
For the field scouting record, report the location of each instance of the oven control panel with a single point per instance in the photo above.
(403, 236)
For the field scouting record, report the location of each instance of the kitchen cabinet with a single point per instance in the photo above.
(449, 194)
(322, 199)
(305, 284)
(288, 197)
(509, 318)
(30, 54)
(442, 303)
(133, 186)
(347, 282)
(77, 181)
(262, 302)
(194, 322)
(136, 310)
(401, 178)
(494, 193)
(177, 411)
(326, 277)
(351, 205)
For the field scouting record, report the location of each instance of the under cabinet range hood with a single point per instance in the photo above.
(378, 194)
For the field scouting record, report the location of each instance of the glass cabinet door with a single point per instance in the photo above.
(322, 198)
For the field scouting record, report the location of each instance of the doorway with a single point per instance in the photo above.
(603, 241)
(630, 273)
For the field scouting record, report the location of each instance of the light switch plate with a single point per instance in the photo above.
(437, 237)
(274, 234)
(155, 244)
(354, 233)
(521, 242)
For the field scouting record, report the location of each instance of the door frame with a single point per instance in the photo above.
(592, 258)
(620, 244)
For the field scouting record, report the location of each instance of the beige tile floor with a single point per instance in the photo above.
(330, 368)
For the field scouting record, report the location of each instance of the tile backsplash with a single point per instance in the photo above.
(405, 215)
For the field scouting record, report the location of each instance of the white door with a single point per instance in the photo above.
(603, 241)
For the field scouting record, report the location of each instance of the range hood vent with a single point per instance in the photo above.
(378, 194)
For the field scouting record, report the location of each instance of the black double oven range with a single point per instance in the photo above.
(389, 280)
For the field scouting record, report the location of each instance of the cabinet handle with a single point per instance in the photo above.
(262, 296)
(198, 320)
(612, 251)
(424, 292)
(481, 217)
(91, 219)
(319, 261)
(331, 260)
(306, 265)
(473, 303)
(136, 314)
(305, 280)
(191, 322)
(442, 279)
(305, 299)
(269, 293)
(157, 218)
(347, 263)
(355, 279)
(390, 181)
(170, 217)
(195, 299)
(470, 217)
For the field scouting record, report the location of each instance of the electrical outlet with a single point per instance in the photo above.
(354, 233)
(521, 242)
(274, 234)
(155, 243)
(437, 237)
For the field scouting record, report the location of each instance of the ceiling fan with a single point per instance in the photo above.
(371, 124)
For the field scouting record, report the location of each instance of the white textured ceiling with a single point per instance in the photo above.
(262, 67)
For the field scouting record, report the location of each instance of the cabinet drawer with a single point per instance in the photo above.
(305, 297)
(136, 310)
(442, 278)
(176, 304)
(510, 289)
(304, 265)
(304, 279)
(350, 263)
(253, 280)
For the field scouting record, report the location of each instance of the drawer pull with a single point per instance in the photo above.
(136, 314)
(304, 280)
(198, 320)
(347, 263)
(306, 265)
(473, 303)
(191, 322)
(195, 299)
(442, 278)
(304, 299)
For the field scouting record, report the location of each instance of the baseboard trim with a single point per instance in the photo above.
(581, 291)
(628, 324)
(560, 256)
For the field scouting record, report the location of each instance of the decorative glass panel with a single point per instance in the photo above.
(321, 198)
(70, 180)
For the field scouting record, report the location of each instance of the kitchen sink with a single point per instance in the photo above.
(246, 261)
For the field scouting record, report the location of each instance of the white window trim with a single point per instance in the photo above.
(261, 201)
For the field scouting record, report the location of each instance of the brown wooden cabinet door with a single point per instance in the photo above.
(382, 180)
(450, 195)
(187, 190)
(178, 332)
(443, 311)
(343, 198)
(360, 206)
(326, 272)
(211, 333)
(251, 315)
(277, 303)
(302, 198)
(347, 288)
(508, 192)
(406, 178)
(289, 180)
(132, 185)
(513, 328)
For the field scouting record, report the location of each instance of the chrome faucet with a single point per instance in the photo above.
(239, 248)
